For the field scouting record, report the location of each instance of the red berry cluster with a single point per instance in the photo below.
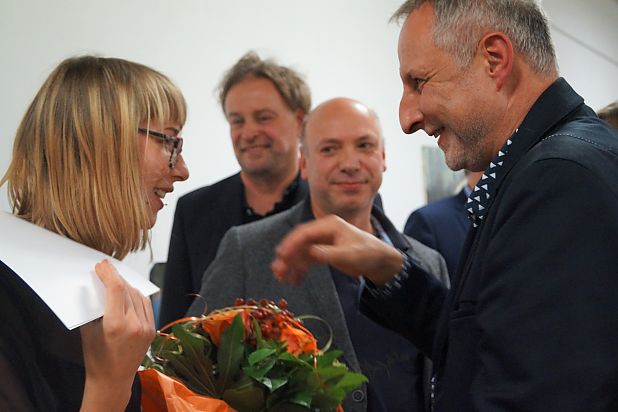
(270, 317)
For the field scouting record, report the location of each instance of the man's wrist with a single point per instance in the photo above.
(395, 281)
(390, 264)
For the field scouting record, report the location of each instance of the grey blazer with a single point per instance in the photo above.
(242, 269)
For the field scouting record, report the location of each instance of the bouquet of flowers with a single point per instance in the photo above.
(250, 357)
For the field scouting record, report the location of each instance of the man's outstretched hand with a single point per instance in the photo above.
(333, 241)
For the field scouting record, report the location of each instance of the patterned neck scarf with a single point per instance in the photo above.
(478, 201)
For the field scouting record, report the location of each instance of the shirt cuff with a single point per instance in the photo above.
(395, 283)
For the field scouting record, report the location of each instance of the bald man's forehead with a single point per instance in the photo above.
(342, 104)
(336, 130)
(342, 117)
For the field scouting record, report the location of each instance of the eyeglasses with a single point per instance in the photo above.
(173, 144)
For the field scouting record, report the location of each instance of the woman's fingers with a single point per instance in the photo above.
(149, 313)
(115, 289)
(143, 312)
(124, 302)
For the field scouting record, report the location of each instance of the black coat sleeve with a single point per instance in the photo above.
(413, 310)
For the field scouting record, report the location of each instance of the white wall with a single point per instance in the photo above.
(593, 23)
(344, 47)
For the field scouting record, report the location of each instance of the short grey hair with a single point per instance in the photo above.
(460, 24)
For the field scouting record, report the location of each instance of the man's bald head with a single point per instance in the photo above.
(333, 108)
(342, 159)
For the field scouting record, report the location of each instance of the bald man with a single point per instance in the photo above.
(342, 159)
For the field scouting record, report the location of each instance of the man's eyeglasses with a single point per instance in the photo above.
(173, 144)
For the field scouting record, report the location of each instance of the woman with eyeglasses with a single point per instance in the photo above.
(93, 157)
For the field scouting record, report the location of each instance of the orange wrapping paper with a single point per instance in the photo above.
(160, 393)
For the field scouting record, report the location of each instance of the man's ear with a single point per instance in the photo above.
(497, 51)
(303, 164)
(300, 116)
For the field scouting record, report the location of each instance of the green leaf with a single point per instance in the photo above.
(331, 373)
(163, 344)
(189, 339)
(325, 402)
(293, 361)
(304, 378)
(246, 399)
(260, 355)
(194, 358)
(147, 362)
(230, 353)
(267, 383)
(186, 357)
(351, 381)
(277, 383)
(258, 334)
(328, 358)
(195, 381)
(258, 371)
(302, 398)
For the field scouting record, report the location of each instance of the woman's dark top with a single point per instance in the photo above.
(41, 362)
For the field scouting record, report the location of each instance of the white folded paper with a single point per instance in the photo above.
(60, 270)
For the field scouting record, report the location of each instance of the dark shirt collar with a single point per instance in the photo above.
(287, 201)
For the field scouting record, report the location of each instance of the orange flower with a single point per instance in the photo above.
(217, 321)
(298, 339)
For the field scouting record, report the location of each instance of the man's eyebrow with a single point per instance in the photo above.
(367, 136)
(328, 140)
(264, 109)
(410, 74)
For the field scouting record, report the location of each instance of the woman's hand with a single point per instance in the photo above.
(115, 344)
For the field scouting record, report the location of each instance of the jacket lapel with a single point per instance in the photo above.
(319, 291)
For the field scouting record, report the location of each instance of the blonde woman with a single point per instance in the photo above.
(94, 155)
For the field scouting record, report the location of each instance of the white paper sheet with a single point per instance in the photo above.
(60, 270)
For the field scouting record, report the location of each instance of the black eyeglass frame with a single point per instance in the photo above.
(176, 143)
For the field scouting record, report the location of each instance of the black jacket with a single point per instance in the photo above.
(201, 219)
(41, 361)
